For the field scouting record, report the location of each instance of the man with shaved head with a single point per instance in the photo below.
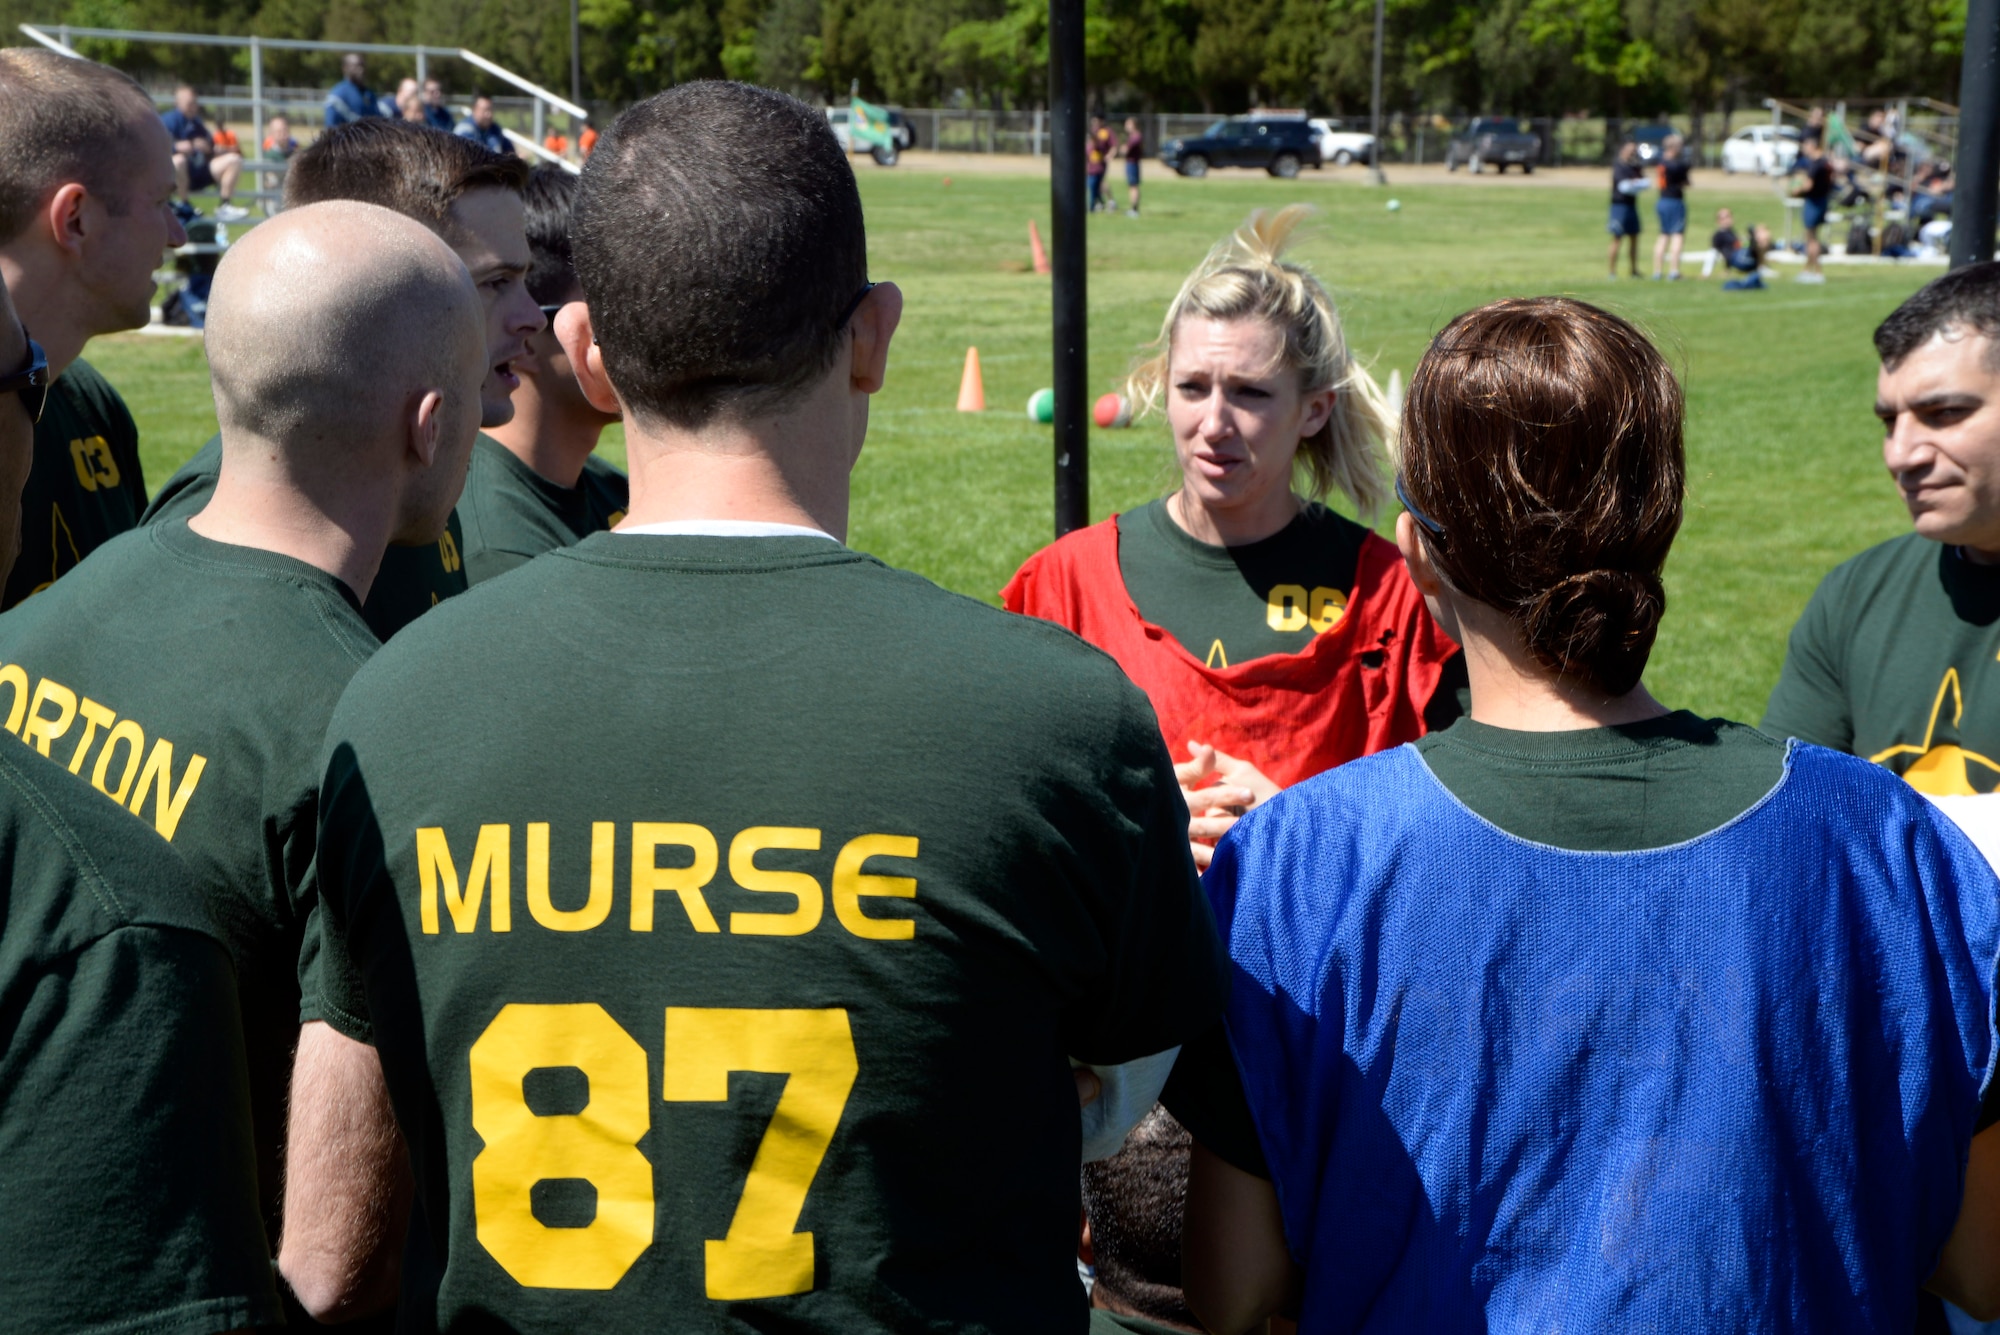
(472, 199)
(86, 211)
(188, 669)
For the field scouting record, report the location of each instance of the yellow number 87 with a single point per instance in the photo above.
(761, 1256)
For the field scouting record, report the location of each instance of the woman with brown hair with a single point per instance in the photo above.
(1274, 637)
(1585, 1014)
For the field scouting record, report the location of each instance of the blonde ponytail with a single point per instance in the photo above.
(1246, 277)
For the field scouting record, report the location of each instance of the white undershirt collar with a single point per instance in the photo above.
(726, 528)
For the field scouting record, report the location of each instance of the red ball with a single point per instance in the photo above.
(1112, 411)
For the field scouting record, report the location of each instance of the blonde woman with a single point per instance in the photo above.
(1275, 638)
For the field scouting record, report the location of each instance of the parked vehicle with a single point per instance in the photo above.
(1342, 146)
(1495, 141)
(1765, 150)
(840, 118)
(1280, 147)
(1649, 139)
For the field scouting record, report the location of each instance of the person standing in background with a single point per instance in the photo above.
(1628, 182)
(1135, 149)
(1816, 192)
(1096, 157)
(349, 100)
(86, 211)
(1672, 207)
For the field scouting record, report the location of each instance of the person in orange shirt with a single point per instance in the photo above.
(1274, 637)
(587, 141)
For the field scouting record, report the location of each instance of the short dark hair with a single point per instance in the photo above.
(719, 237)
(551, 201)
(409, 168)
(61, 120)
(1134, 1201)
(1967, 299)
(1543, 437)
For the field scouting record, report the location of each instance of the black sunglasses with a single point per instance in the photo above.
(549, 312)
(853, 306)
(31, 382)
(1431, 526)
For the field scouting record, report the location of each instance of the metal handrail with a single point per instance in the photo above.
(561, 104)
(522, 141)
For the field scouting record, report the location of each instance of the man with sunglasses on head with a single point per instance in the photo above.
(535, 483)
(129, 1199)
(86, 211)
(472, 200)
(753, 1003)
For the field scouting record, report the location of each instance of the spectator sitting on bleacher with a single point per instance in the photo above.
(436, 114)
(349, 100)
(480, 128)
(278, 140)
(197, 162)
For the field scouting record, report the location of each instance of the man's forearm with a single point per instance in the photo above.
(347, 1180)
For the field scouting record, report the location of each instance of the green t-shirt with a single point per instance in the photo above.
(85, 485)
(1638, 785)
(190, 682)
(411, 582)
(1894, 661)
(128, 1200)
(513, 514)
(1229, 605)
(846, 846)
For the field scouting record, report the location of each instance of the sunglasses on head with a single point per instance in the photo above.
(1430, 526)
(31, 382)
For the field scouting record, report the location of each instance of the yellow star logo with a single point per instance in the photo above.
(1943, 770)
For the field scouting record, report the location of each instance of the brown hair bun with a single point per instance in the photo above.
(1543, 436)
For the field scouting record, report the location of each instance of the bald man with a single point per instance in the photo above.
(188, 669)
(472, 199)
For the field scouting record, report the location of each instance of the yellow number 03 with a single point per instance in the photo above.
(761, 1256)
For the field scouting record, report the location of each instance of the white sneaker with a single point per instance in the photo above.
(230, 213)
(1811, 278)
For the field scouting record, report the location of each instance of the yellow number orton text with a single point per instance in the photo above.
(761, 1257)
(598, 1144)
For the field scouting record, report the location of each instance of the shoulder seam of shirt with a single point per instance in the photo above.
(87, 867)
(321, 597)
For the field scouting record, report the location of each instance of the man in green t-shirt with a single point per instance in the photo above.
(754, 1009)
(129, 1198)
(535, 484)
(187, 671)
(1894, 658)
(86, 210)
(472, 199)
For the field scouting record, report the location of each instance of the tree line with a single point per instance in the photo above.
(1531, 57)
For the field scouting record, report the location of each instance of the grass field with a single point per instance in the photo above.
(1784, 462)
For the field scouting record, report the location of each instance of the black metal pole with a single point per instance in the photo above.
(1375, 156)
(1975, 195)
(575, 63)
(1066, 223)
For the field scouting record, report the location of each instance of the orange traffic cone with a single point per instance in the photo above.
(1035, 248)
(971, 389)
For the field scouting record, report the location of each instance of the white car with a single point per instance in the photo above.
(1342, 147)
(1765, 150)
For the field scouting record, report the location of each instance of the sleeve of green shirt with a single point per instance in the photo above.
(350, 857)
(1205, 1094)
(1810, 700)
(129, 1176)
(1167, 976)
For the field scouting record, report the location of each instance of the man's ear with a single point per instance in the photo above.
(65, 216)
(586, 359)
(426, 427)
(874, 323)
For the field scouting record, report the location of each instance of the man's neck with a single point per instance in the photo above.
(47, 311)
(791, 469)
(256, 505)
(556, 445)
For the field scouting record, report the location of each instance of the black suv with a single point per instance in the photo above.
(1279, 147)
(1494, 141)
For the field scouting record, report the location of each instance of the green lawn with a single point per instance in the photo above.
(1785, 470)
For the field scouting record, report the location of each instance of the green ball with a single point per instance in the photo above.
(1042, 406)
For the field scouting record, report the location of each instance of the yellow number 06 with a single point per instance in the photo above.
(761, 1256)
